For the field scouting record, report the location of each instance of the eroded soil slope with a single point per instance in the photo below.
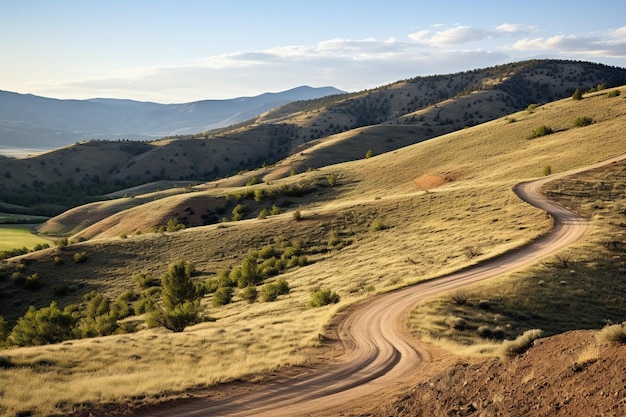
(572, 374)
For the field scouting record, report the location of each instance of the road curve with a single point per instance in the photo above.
(378, 356)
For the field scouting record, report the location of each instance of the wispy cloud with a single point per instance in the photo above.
(349, 64)
(459, 35)
(611, 44)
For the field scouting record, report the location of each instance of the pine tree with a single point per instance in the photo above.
(177, 285)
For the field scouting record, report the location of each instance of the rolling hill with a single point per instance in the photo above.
(364, 225)
(301, 135)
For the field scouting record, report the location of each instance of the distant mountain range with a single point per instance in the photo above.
(29, 121)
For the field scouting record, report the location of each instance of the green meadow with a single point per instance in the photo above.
(19, 236)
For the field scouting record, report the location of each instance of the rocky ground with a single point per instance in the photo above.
(571, 374)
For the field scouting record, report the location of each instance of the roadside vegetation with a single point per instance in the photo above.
(580, 287)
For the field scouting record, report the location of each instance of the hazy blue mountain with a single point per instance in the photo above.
(29, 121)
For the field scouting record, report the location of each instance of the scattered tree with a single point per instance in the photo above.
(222, 296)
(250, 294)
(271, 291)
(43, 326)
(177, 285)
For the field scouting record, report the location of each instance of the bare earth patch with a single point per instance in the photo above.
(572, 374)
(427, 182)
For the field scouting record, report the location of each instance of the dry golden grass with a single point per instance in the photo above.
(426, 234)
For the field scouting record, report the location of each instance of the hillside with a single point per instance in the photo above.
(572, 374)
(29, 121)
(300, 135)
(365, 226)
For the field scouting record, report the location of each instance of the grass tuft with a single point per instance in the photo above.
(615, 333)
(521, 344)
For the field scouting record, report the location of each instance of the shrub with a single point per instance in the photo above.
(485, 332)
(222, 296)
(258, 195)
(547, 170)
(238, 212)
(521, 343)
(459, 298)
(613, 93)
(61, 290)
(250, 294)
(13, 252)
(270, 292)
(4, 332)
(578, 95)
(471, 252)
(263, 214)
(177, 318)
(377, 225)
(456, 323)
(80, 257)
(144, 280)
(582, 121)
(333, 238)
(43, 326)
(249, 273)
(542, 130)
(267, 252)
(532, 107)
(368, 154)
(173, 225)
(62, 243)
(32, 282)
(332, 180)
(321, 297)
(297, 215)
(615, 333)
(40, 246)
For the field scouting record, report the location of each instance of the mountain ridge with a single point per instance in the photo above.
(301, 135)
(31, 121)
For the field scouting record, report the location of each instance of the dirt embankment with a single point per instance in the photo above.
(572, 374)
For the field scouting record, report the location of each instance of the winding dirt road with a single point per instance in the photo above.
(379, 358)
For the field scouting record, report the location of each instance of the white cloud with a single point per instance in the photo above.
(453, 36)
(606, 46)
(348, 64)
(620, 33)
(459, 34)
(514, 29)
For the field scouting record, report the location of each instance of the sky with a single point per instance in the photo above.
(189, 50)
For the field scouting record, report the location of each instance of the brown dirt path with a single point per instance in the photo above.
(379, 360)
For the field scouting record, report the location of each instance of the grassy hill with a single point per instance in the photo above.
(330, 130)
(364, 226)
